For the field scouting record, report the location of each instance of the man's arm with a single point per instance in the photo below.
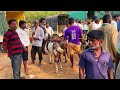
(111, 74)
(5, 42)
(5, 47)
(81, 73)
(81, 66)
(66, 35)
(114, 39)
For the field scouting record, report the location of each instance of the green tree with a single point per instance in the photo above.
(32, 15)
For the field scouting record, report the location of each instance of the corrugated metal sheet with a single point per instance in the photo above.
(115, 12)
(57, 22)
(99, 14)
(81, 15)
(52, 20)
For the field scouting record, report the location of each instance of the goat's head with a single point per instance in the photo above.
(57, 48)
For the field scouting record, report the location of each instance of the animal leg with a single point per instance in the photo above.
(56, 67)
(50, 59)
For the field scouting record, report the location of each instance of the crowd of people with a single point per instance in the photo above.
(99, 60)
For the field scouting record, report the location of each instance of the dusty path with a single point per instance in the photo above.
(46, 71)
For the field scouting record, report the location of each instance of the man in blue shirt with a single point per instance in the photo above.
(118, 23)
(95, 61)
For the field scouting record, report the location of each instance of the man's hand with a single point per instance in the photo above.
(25, 49)
(5, 47)
(36, 38)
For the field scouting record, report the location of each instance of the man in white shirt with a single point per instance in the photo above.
(38, 36)
(80, 24)
(76, 22)
(49, 32)
(85, 26)
(23, 33)
(114, 20)
(96, 25)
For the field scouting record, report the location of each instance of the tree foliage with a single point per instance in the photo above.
(32, 15)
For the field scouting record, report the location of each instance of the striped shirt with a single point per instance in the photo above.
(12, 40)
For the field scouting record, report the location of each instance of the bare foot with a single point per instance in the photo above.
(26, 72)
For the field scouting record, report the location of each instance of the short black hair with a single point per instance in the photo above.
(97, 20)
(107, 18)
(115, 16)
(71, 20)
(96, 34)
(94, 17)
(21, 22)
(79, 21)
(41, 19)
(11, 20)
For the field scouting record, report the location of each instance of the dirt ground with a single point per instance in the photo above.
(45, 71)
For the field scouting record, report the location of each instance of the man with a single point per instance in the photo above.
(114, 21)
(96, 25)
(118, 23)
(38, 36)
(93, 21)
(95, 61)
(73, 33)
(12, 44)
(76, 22)
(42, 25)
(24, 37)
(111, 36)
(118, 57)
(80, 24)
(49, 32)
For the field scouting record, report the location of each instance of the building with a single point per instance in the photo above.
(6, 15)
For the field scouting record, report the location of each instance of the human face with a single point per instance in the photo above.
(47, 25)
(23, 26)
(94, 44)
(13, 25)
(36, 24)
(119, 18)
(43, 22)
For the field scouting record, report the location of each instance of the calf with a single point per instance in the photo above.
(54, 49)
